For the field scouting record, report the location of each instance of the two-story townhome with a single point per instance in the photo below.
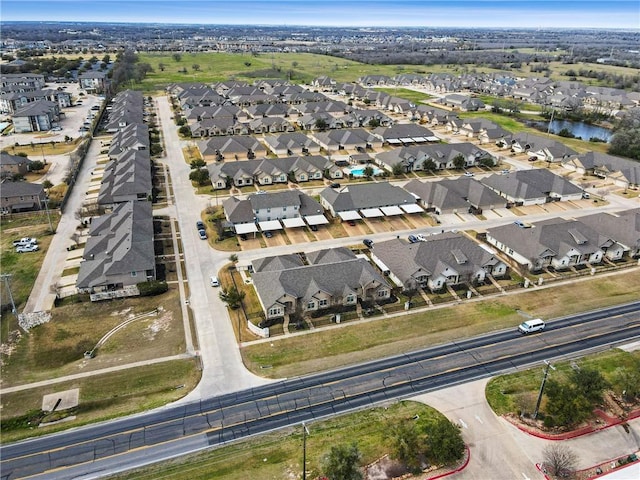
(12, 165)
(94, 81)
(21, 196)
(445, 259)
(119, 251)
(38, 116)
(127, 177)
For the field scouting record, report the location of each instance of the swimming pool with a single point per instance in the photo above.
(359, 171)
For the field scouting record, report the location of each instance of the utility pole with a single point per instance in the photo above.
(6, 277)
(305, 432)
(46, 207)
(544, 380)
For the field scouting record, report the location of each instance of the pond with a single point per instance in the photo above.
(581, 130)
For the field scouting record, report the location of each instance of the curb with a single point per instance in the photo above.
(575, 433)
(459, 469)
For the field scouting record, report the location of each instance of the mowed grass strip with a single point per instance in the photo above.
(507, 393)
(278, 455)
(104, 396)
(340, 346)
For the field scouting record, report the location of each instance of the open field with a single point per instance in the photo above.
(278, 455)
(56, 348)
(23, 267)
(507, 393)
(101, 397)
(350, 344)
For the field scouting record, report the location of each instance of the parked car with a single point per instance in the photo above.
(351, 223)
(24, 241)
(203, 234)
(268, 234)
(368, 243)
(533, 159)
(27, 248)
(95, 107)
(504, 172)
(314, 228)
(468, 174)
(586, 195)
(200, 225)
(335, 185)
(421, 237)
(214, 281)
(413, 239)
(56, 129)
(243, 236)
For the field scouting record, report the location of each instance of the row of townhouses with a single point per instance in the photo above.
(119, 251)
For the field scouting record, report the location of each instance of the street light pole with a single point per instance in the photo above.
(305, 432)
(544, 380)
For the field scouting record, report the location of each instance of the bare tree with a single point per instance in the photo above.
(559, 460)
(75, 237)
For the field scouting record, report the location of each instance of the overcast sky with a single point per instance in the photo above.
(427, 13)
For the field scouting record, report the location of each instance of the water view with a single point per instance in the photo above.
(581, 130)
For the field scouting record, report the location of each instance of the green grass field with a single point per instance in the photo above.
(278, 455)
(510, 393)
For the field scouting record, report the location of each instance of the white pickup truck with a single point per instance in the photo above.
(25, 241)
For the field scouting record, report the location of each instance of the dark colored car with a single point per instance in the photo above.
(335, 185)
(351, 222)
(243, 236)
(200, 225)
(368, 243)
(314, 228)
(268, 234)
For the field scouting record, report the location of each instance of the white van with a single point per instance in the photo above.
(214, 281)
(531, 326)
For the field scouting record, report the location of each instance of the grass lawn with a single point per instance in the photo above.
(278, 455)
(36, 150)
(56, 348)
(23, 267)
(299, 67)
(411, 95)
(341, 346)
(513, 392)
(104, 396)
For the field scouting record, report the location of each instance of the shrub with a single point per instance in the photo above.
(154, 287)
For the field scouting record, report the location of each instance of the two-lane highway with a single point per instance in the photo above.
(99, 449)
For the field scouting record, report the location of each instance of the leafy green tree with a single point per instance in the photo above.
(368, 171)
(342, 463)
(36, 165)
(459, 162)
(374, 123)
(565, 404)
(47, 185)
(185, 131)
(397, 169)
(429, 165)
(444, 443)
(198, 163)
(405, 443)
(199, 176)
(177, 57)
(589, 383)
(232, 297)
(195, 67)
(321, 124)
(627, 382)
(487, 162)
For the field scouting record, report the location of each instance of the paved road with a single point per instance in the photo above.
(218, 420)
(43, 295)
(223, 370)
(499, 450)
